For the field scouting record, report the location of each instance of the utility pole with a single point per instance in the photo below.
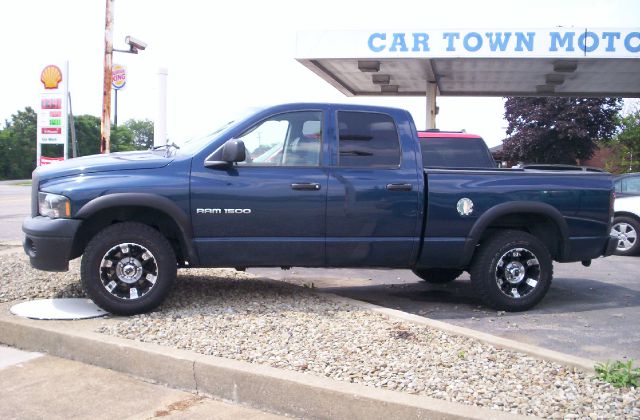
(105, 123)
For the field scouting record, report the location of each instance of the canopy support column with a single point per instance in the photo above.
(432, 109)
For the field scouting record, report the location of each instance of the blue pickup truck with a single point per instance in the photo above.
(311, 185)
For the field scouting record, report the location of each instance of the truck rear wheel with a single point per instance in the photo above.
(511, 271)
(438, 275)
(128, 268)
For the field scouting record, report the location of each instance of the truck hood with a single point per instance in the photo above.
(101, 163)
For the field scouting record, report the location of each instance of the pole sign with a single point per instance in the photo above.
(118, 76)
(52, 110)
(479, 43)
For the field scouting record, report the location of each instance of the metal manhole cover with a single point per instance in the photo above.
(65, 308)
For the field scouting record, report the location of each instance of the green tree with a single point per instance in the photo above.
(122, 139)
(628, 142)
(142, 131)
(87, 134)
(557, 130)
(18, 145)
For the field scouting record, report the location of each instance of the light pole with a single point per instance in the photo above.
(134, 46)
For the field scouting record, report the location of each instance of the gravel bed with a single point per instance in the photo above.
(230, 314)
(18, 281)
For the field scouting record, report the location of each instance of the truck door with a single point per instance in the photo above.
(270, 209)
(372, 204)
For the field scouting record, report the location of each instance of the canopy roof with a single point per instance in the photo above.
(539, 62)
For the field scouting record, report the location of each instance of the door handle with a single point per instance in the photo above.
(399, 187)
(305, 186)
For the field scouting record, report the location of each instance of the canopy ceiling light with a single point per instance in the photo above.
(369, 66)
(565, 66)
(554, 79)
(381, 79)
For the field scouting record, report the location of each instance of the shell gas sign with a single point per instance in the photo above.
(52, 111)
(51, 77)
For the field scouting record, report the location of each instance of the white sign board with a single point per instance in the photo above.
(476, 43)
(52, 110)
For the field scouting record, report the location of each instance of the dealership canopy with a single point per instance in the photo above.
(585, 62)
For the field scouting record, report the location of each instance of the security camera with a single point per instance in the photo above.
(135, 44)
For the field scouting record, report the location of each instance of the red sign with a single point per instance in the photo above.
(45, 160)
(51, 130)
(51, 103)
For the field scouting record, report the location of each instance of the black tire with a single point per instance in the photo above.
(627, 230)
(511, 271)
(438, 275)
(128, 256)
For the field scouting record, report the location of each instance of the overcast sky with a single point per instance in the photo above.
(226, 56)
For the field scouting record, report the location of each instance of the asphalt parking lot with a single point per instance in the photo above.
(589, 312)
(15, 207)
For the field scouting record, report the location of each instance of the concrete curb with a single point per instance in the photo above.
(263, 387)
(542, 353)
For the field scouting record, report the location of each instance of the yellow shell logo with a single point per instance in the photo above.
(51, 76)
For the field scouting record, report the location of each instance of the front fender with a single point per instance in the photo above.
(154, 201)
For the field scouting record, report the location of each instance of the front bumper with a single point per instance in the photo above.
(48, 242)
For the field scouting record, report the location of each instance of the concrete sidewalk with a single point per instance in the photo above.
(36, 386)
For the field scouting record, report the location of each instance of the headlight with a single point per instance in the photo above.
(53, 205)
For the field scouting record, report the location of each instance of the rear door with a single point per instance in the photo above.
(373, 197)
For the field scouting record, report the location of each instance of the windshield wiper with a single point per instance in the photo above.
(167, 145)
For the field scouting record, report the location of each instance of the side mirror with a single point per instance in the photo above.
(232, 151)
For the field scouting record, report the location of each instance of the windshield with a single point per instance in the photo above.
(195, 144)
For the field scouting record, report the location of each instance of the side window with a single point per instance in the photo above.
(289, 139)
(618, 186)
(632, 185)
(367, 140)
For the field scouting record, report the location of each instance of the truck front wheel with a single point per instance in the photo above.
(438, 275)
(128, 268)
(511, 271)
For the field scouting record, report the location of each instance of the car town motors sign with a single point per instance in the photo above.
(558, 42)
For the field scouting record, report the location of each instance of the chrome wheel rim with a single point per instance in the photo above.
(517, 273)
(626, 234)
(128, 271)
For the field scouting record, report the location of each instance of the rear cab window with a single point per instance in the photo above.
(455, 152)
(367, 140)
